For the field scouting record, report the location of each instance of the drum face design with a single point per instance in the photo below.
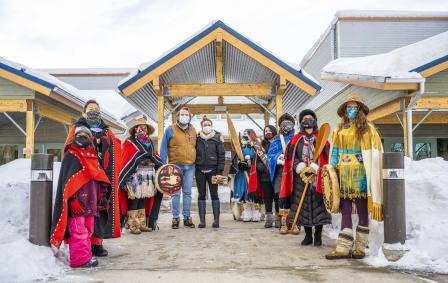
(169, 179)
(330, 187)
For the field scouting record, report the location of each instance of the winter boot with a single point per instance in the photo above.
(152, 224)
(361, 242)
(236, 210)
(201, 208)
(308, 240)
(247, 212)
(142, 220)
(188, 222)
(318, 235)
(99, 251)
(277, 220)
(269, 220)
(256, 215)
(262, 215)
(134, 222)
(216, 211)
(344, 245)
(175, 223)
(93, 262)
(284, 213)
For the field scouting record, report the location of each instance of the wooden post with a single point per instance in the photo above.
(278, 99)
(29, 140)
(266, 118)
(405, 132)
(160, 118)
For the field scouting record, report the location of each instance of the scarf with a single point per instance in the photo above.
(308, 149)
(207, 136)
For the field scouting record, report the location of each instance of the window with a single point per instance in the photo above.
(8, 153)
(422, 151)
(442, 148)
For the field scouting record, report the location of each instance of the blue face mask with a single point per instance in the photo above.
(184, 119)
(351, 113)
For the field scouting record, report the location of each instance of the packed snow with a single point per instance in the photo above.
(426, 221)
(397, 63)
(20, 260)
(426, 202)
(389, 14)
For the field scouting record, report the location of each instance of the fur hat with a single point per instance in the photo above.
(141, 121)
(307, 112)
(354, 97)
(285, 117)
(83, 130)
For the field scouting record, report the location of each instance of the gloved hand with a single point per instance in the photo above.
(308, 175)
(76, 207)
(242, 165)
(300, 167)
(281, 159)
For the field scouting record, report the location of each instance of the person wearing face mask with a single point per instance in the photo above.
(210, 158)
(78, 200)
(108, 149)
(276, 160)
(178, 147)
(138, 197)
(300, 155)
(357, 157)
(243, 209)
(265, 183)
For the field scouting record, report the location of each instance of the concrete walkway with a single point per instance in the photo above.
(236, 252)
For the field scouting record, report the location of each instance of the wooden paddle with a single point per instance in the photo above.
(236, 142)
(322, 137)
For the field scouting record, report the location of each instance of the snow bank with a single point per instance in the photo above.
(19, 259)
(426, 221)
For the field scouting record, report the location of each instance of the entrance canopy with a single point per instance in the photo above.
(217, 70)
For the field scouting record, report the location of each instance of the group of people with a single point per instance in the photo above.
(105, 185)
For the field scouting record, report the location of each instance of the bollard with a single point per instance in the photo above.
(41, 198)
(394, 204)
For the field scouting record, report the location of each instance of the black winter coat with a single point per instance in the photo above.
(313, 210)
(210, 154)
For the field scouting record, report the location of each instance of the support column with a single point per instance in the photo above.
(278, 99)
(410, 133)
(405, 132)
(266, 118)
(29, 140)
(160, 118)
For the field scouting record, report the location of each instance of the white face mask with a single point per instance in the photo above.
(184, 119)
(207, 129)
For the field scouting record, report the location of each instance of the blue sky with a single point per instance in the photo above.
(112, 33)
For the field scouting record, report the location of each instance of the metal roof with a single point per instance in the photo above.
(52, 84)
(200, 67)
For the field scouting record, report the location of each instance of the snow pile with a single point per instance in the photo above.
(397, 63)
(19, 259)
(426, 221)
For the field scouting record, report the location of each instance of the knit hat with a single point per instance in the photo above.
(354, 97)
(307, 112)
(83, 129)
(285, 117)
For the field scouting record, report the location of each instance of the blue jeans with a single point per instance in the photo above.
(187, 183)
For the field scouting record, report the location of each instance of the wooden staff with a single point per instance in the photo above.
(236, 142)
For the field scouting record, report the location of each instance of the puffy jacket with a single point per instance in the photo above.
(210, 153)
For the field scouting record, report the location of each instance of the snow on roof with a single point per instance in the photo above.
(89, 71)
(66, 90)
(396, 64)
(390, 14)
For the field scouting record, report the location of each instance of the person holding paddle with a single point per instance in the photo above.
(276, 159)
(301, 189)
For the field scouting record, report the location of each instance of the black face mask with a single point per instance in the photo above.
(308, 124)
(82, 141)
(93, 117)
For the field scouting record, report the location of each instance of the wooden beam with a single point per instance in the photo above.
(432, 102)
(405, 131)
(266, 118)
(13, 105)
(375, 85)
(271, 104)
(29, 140)
(278, 99)
(219, 70)
(434, 118)
(220, 100)
(54, 113)
(24, 82)
(169, 105)
(231, 108)
(385, 110)
(434, 70)
(251, 89)
(267, 62)
(160, 118)
(169, 63)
